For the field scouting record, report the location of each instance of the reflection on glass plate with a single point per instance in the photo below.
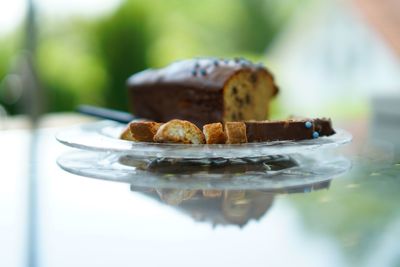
(103, 136)
(222, 207)
(271, 173)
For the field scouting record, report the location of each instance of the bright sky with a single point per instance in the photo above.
(13, 11)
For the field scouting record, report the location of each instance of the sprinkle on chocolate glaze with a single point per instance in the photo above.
(308, 124)
(315, 135)
(185, 71)
(203, 72)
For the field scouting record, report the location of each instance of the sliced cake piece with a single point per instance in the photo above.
(235, 133)
(143, 131)
(324, 126)
(127, 135)
(179, 131)
(214, 133)
(265, 131)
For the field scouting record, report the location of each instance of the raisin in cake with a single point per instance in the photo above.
(203, 91)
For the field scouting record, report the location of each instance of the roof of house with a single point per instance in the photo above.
(384, 16)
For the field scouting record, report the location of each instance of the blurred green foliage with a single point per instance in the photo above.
(69, 69)
(9, 47)
(83, 60)
(122, 39)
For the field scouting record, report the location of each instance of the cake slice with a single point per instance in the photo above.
(266, 131)
(235, 133)
(179, 131)
(214, 133)
(324, 126)
(127, 135)
(143, 131)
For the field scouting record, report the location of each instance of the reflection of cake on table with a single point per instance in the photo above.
(223, 207)
(218, 207)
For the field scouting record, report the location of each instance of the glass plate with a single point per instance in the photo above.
(103, 136)
(272, 173)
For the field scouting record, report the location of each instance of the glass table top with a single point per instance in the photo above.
(50, 217)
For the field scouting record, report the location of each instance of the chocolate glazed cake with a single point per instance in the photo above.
(203, 91)
(265, 131)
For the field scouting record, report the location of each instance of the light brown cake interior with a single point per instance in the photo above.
(179, 131)
(247, 96)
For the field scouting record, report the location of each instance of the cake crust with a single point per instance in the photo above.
(127, 135)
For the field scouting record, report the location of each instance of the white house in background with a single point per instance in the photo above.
(330, 55)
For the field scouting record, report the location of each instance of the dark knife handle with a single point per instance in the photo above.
(105, 113)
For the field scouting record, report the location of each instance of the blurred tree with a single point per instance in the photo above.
(70, 70)
(9, 84)
(221, 28)
(123, 42)
(262, 21)
(83, 60)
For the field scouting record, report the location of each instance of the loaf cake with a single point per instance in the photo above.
(203, 90)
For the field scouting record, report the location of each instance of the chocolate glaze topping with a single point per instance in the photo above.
(324, 126)
(300, 129)
(266, 131)
(206, 73)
